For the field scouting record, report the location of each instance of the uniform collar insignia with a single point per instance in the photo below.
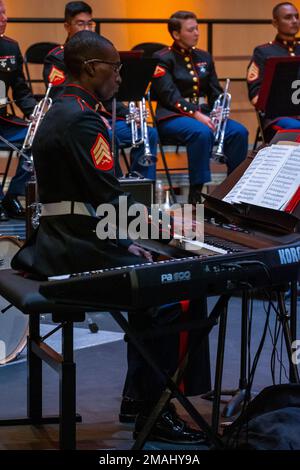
(87, 96)
(180, 49)
(293, 43)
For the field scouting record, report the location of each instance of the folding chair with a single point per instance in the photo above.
(35, 54)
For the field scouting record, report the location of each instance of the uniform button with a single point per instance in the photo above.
(189, 66)
(179, 105)
(292, 53)
(194, 94)
(185, 108)
(8, 68)
(191, 112)
(195, 87)
(182, 50)
(187, 59)
(285, 43)
(192, 72)
(195, 79)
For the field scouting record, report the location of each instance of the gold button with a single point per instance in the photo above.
(292, 53)
(187, 59)
(195, 87)
(185, 108)
(182, 50)
(194, 94)
(189, 66)
(192, 72)
(195, 79)
(191, 112)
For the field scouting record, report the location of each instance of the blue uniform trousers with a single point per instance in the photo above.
(199, 140)
(123, 136)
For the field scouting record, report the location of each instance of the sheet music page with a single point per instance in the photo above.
(271, 179)
(285, 184)
(232, 195)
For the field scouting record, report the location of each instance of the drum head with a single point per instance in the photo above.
(13, 323)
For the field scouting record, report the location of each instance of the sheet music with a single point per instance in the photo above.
(271, 179)
(232, 195)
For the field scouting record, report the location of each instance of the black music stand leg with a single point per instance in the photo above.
(67, 391)
(233, 405)
(293, 317)
(283, 317)
(219, 369)
(34, 373)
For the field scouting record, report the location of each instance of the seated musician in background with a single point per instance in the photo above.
(185, 76)
(286, 21)
(71, 148)
(12, 128)
(78, 16)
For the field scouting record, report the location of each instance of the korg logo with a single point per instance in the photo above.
(176, 277)
(289, 255)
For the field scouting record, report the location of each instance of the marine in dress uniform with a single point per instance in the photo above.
(11, 127)
(74, 168)
(285, 44)
(55, 72)
(184, 77)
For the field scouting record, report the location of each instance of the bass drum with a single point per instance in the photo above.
(13, 323)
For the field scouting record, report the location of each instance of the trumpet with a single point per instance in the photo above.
(137, 118)
(37, 116)
(219, 116)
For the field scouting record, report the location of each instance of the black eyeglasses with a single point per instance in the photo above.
(115, 65)
(90, 25)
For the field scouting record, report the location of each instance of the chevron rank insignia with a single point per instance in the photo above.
(253, 72)
(56, 76)
(102, 157)
(159, 72)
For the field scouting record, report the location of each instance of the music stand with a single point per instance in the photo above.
(136, 75)
(275, 96)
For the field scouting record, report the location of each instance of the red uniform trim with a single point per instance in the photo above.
(183, 339)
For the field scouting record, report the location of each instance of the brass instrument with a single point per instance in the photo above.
(38, 114)
(137, 118)
(219, 116)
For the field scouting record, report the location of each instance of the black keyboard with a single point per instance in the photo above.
(152, 284)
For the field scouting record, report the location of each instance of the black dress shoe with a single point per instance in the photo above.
(129, 410)
(13, 207)
(171, 428)
(3, 214)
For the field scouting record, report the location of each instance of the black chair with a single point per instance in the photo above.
(35, 54)
(148, 48)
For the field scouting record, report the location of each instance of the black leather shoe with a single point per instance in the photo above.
(171, 428)
(3, 214)
(13, 207)
(129, 410)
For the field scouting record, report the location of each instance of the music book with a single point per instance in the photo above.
(272, 180)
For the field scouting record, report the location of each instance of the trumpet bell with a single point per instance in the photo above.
(147, 160)
(219, 157)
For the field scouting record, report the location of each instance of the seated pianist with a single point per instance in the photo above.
(72, 149)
